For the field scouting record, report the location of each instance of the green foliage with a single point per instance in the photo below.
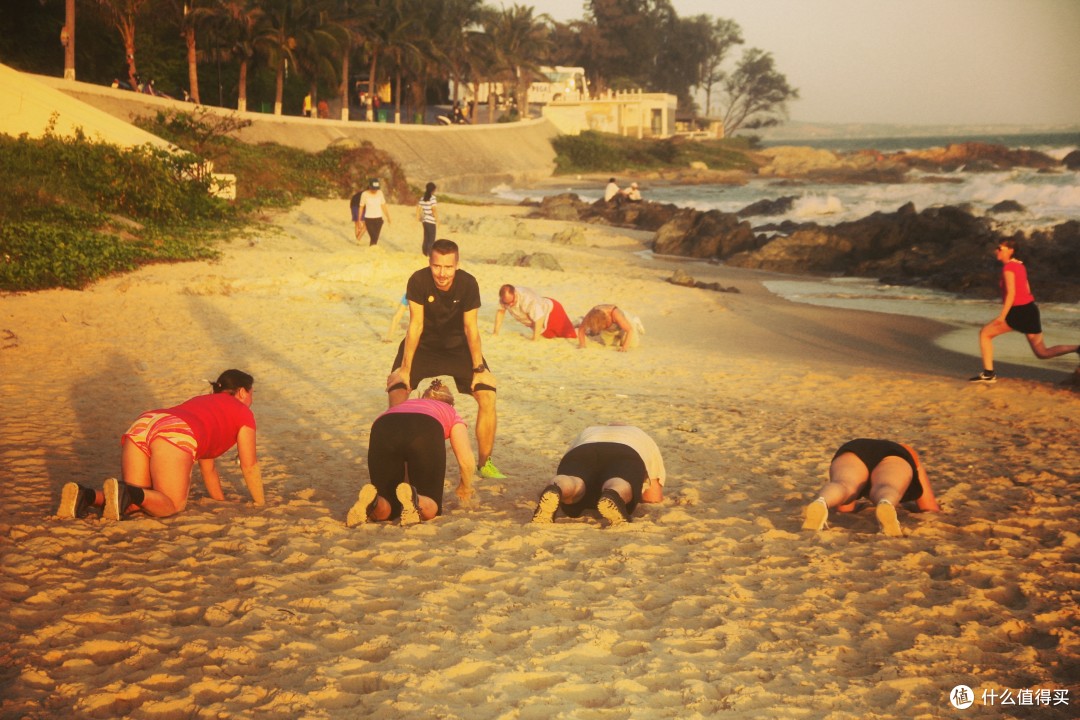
(276, 176)
(601, 152)
(77, 211)
(74, 211)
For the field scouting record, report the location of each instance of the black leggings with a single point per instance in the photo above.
(596, 463)
(411, 439)
(374, 227)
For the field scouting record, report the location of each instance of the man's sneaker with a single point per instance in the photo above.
(817, 515)
(886, 517)
(117, 499)
(488, 470)
(73, 502)
(612, 507)
(410, 507)
(549, 503)
(361, 510)
(984, 377)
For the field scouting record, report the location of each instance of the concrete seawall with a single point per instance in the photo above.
(467, 159)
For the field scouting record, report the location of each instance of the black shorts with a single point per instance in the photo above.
(596, 463)
(1025, 319)
(872, 452)
(455, 362)
(412, 439)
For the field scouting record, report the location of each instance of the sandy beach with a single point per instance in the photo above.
(711, 604)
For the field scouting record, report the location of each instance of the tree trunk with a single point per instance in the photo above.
(241, 101)
(345, 85)
(193, 64)
(279, 91)
(69, 46)
(372, 90)
(127, 32)
(397, 96)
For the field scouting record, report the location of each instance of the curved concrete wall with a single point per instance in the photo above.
(459, 158)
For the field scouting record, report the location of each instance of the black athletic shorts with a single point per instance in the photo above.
(598, 462)
(1025, 319)
(412, 439)
(872, 452)
(455, 362)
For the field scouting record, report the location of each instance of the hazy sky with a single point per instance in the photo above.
(909, 61)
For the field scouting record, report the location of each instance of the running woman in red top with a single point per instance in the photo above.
(1018, 312)
(160, 449)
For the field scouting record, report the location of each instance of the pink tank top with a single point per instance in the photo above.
(1023, 290)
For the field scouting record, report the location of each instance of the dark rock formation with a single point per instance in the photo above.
(975, 157)
(711, 234)
(517, 258)
(681, 278)
(1072, 160)
(1008, 206)
(778, 206)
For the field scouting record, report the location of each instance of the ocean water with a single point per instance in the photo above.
(1049, 198)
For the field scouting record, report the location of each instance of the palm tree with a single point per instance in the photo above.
(240, 24)
(391, 36)
(276, 40)
(193, 14)
(519, 42)
(122, 14)
(319, 43)
(354, 17)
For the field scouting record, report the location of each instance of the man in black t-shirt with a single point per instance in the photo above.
(443, 338)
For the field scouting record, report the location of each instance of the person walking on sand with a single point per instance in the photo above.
(608, 468)
(443, 338)
(1018, 312)
(428, 215)
(544, 315)
(370, 208)
(407, 460)
(159, 451)
(610, 325)
(886, 472)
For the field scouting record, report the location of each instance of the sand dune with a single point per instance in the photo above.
(710, 604)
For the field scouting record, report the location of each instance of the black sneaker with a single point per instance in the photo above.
(117, 499)
(73, 501)
(612, 507)
(984, 377)
(548, 505)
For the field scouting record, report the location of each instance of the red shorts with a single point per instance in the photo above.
(558, 324)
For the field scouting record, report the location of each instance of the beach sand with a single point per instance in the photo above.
(713, 603)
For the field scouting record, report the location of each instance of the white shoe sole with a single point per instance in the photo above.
(358, 514)
(410, 513)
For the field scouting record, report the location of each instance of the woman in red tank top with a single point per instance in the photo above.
(1018, 312)
(160, 450)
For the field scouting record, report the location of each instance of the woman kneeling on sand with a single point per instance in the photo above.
(160, 449)
(886, 472)
(411, 437)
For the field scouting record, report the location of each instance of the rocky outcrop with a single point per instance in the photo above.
(975, 157)
(946, 248)
(1072, 160)
(711, 234)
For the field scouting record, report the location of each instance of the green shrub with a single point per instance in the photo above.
(603, 152)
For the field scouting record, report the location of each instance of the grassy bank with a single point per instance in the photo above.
(75, 211)
(592, 152)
